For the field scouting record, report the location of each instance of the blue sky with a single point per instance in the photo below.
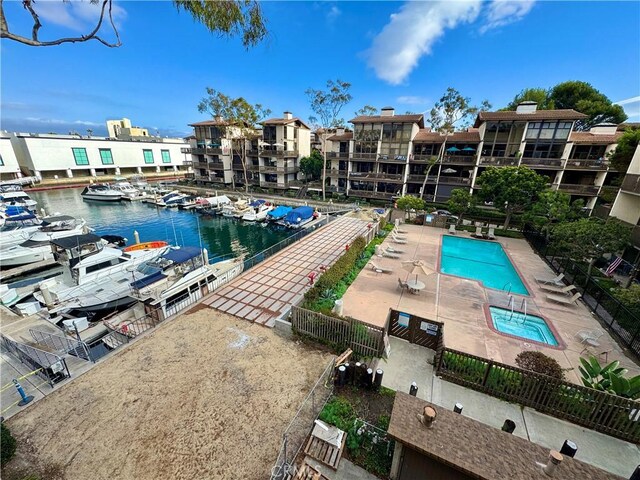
(403, 54)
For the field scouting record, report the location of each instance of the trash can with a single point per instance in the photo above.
(337, 308)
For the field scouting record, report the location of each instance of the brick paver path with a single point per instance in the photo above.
(266, 291)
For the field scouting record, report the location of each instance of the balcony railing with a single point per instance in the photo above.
(579, 164)
(459, 160)
(216, 165)
(272, 184)
(253, 168)
(421, 158)
(278, 153)
(579, 189)
(364, 157)
(204, 165)
(631, 183)
(268, 169)
(498, 161)
(334, 172)
(392, 158)
(288, 169)
(415, 178)
(371, 176)
(454, 180)
(185, 150)
(342, 155)
(200, 150)
(541, 162)
(369, 194)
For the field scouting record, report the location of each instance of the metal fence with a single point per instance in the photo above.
(623, 323)
(364, 339)
(50, 366)
(295, 434)
(601, 411)
(61, 344)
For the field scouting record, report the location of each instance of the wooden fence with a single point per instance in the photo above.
(363, 339)
(606, 413)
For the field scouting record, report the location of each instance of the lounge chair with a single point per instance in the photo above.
(562, 299)
(398, 240)
(388, 254)
(478, 233)
(586, 335)
(551, 281)
(452, 229)
(393, 250)
(398, 233)
(558, 289)
(379, 269)
(492, 233)
(402, 285)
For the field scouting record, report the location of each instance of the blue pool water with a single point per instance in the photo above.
(530, 327)
(480, 260)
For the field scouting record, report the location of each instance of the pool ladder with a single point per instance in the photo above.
(508, 284)
(523, 308)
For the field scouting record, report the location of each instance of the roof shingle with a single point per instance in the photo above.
(567, 114)
(426, 136)
(284, 121)
(416, 118)
(602, 139)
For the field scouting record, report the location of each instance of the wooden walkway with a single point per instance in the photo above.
(268, 290)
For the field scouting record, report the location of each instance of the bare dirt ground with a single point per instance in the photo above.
(205, 396)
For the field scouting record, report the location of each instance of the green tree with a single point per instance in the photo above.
(511, 189)
(409, 202)
(241, 120)
(366, 111)
(451, 109)
(460, 202)
(584, 98)
(311, 166)
(621, 157)
(552, 207)
(538, 95)
(590, 238)
(327, 105)
(227, 19)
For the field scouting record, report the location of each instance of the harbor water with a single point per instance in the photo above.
(222, 237)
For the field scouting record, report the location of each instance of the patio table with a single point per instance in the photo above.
(415, 286)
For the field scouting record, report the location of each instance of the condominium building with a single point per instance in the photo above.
(388, 155)
(626, 206)
(123, 129)
(223, 153)
(9, 167)
(59, 156)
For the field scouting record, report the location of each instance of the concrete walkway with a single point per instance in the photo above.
(408, 363)
(267, 291)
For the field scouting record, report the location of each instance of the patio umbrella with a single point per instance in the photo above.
(264, 144)
(468, 149)
(417, 267)
(453, 149)
(278, 145)
(449, 170)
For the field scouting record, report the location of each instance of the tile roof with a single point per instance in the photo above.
(481, 451)
(427, 136)
(207, 123)
(346, 136)
(416, 118)
(284, 121)
(586, 137)
(567, 114)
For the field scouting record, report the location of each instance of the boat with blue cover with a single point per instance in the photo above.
(278, 213)
(299, 216)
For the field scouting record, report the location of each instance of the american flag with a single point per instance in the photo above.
(613, 265)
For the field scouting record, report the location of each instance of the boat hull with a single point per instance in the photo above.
(102, 198)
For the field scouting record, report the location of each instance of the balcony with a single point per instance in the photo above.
(392, 158)
(631, 184)
(201, 150)
(216, 165)
(252, 168)
(215, 179)
(340, 155)
(288, 169)
(370, 194)
(372, 176)
(554, 163)
(577, 189)
(335, 173)
(498, 161)
(364, 157)
(454, 180)
(204, 165)
(278, 153)
(459, 160)
(582, 164)
(415, 178)
(272, 184)
(186, 150)
(421, 158)
(268, 169)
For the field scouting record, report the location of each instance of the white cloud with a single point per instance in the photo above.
(412, 100)
(631, 106)
(56, 121)
(411, 33)
(333, 13)
(503, 12)
(78, 15)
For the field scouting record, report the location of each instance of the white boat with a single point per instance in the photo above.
(12, 194)
(258, 211)
(170, 199)
(180, 277)
(94, 276)
(139, 182)
(101, 193)
(15, 231)
(37, 247)
(129, 192)
(236, 209)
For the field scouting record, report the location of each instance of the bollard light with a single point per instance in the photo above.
(457, 408)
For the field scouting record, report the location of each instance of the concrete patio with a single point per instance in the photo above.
(459, 303)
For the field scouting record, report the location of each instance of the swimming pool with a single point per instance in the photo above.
(480, 260)
(529, 327)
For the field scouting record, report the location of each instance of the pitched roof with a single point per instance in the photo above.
(426, 136)
(567, 114)
(284, 121)
(213, 122)
(416, 118)
(346, 136)
(587, 137)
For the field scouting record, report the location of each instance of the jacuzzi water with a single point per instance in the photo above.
(529, 327)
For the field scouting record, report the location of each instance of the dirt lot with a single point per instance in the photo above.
(204, 396)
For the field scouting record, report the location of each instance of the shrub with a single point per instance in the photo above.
(540, 363)
(7, 444)
(338, 412)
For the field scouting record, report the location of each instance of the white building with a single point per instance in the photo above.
(52, 155)
(9, 168)
(627, 204)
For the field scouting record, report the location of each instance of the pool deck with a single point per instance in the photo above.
(267, 291)
(460, 304)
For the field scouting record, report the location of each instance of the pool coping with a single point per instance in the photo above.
(561, 344)
(513, 264)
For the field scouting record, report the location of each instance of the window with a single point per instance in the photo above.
(148, 156)
(105, 156)
(166, 156)
(80, 155)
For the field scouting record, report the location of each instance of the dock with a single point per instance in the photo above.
(12, 273)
